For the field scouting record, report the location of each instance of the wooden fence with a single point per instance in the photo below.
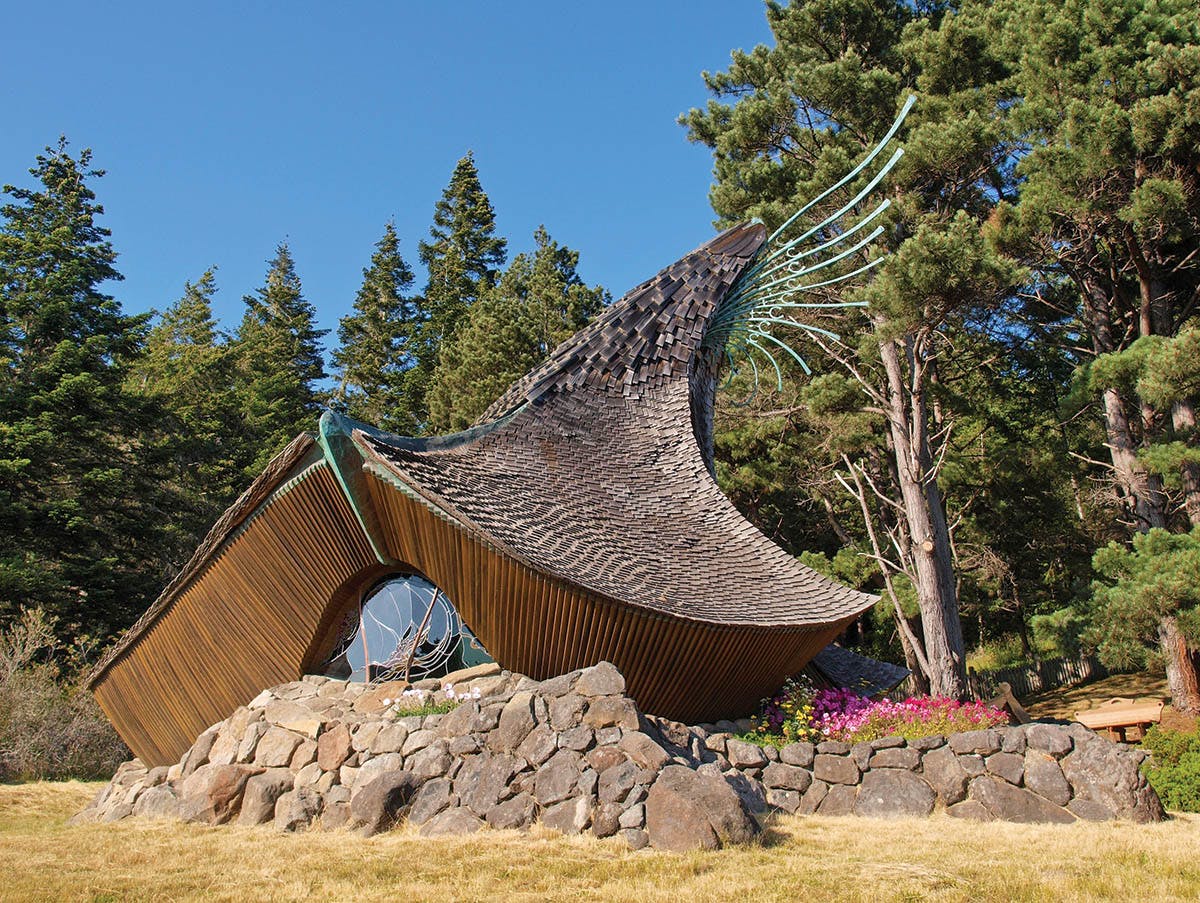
(1027, 680)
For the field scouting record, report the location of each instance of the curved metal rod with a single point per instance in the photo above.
(820, 264)
(870, 186)
(774, 363)
(891, 133)
(756, 270)
(758, 333)
(784, 280)
(836, 279)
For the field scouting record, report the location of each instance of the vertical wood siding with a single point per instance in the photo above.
(685, 670)
(246, 621)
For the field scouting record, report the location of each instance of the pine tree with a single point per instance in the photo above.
(278, 351)
(378, 342)
(1146, 604)
(76, 505)
(464, 257)
(1105, 96)
(787, 122)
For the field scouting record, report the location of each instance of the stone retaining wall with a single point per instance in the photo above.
(576, 754)
(1027, 773)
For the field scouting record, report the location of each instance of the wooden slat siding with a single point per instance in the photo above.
(247, 622)
(300, 453)
(687, 670)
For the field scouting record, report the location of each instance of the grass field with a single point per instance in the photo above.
(44, 858)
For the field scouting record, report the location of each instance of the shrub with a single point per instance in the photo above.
(50, 726)
(425, 702)
(1174, 769)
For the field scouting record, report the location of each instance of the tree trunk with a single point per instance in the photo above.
(1183, 420)
(920, 683)
(1181, 671)
(926, 522)
(1142, 492)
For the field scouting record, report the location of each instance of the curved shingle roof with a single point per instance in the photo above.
(594, 468)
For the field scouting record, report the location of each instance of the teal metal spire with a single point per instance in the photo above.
(786, 269)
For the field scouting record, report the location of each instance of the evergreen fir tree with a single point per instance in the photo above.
(378, 340)
(464, 257)
(539, 302)
(279, 354)
(186, 371)
(76, 505)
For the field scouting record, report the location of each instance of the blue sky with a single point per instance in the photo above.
(226, 128)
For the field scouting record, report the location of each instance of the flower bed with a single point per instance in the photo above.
(800, 713)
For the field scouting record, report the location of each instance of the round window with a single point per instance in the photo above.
(405, 625)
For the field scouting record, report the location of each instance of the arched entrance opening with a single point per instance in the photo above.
(403, 627)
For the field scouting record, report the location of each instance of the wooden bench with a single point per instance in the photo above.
(1122, 718)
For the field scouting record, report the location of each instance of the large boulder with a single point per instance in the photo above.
(892, 793)
(296, 809)
(432, 798)
(334, 747)
(835, 769)
(213, 793)
(517, 812)
(945, 774)
(602, 679)
(558, 777)
(1109, 774)
(1009, 803)
(262, 793)
(452, 821)
(516, 721)
(570, 816)
(378, 805)
(157, 802)
(686, 810)
(483, 779)
(276, 747)
(1045, 778)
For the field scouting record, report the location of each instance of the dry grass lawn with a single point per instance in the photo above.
(43, 858)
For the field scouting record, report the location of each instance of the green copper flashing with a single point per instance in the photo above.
(334, 437)
(783, 271)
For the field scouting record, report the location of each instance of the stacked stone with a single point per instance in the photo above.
(573, 752)
(1028, 773)
(576, 754)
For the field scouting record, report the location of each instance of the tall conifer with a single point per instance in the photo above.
(378, 342)
(186, 371)
(75, 506)
(279, 354)
(539, 302)
(464, 258)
